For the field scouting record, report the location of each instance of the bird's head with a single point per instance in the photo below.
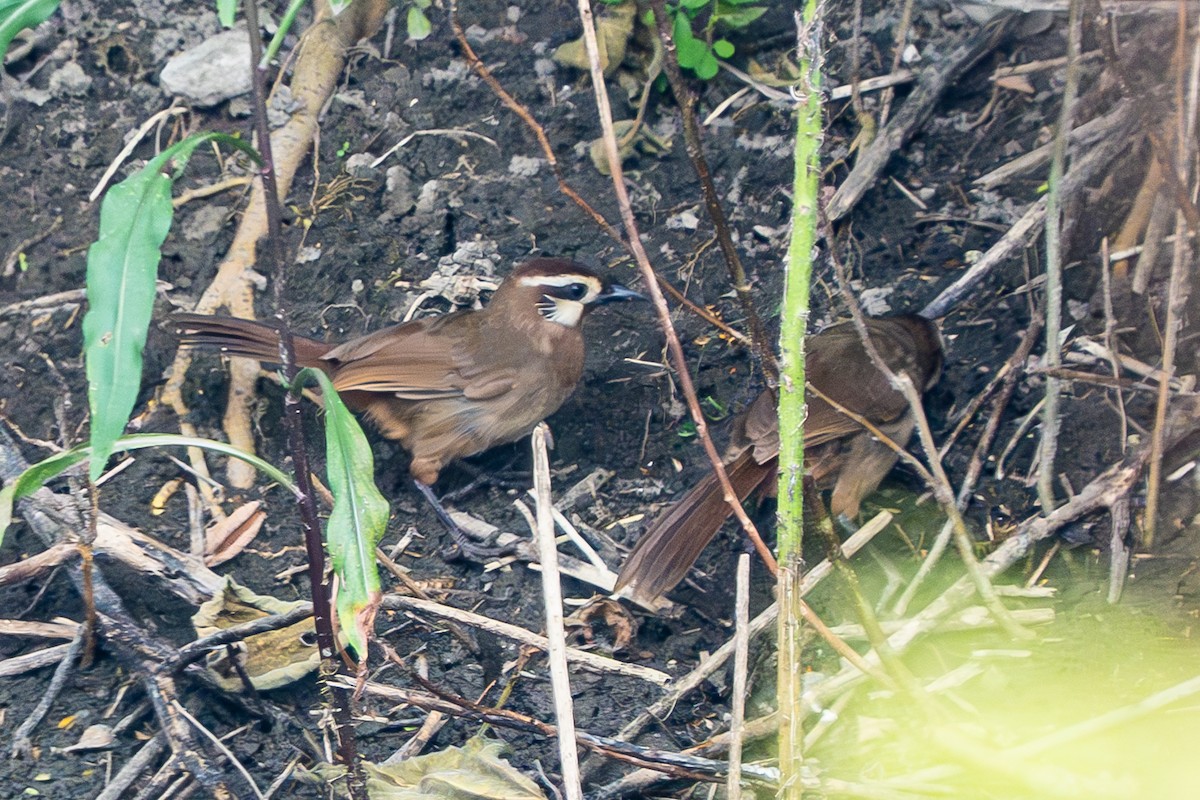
(561, 290)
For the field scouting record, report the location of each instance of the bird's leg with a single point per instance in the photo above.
(465, 543)
(502, 479)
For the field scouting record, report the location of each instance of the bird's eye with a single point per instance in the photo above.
(575, 291)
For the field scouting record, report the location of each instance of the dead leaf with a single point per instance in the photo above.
(226, 538)
(615, 616)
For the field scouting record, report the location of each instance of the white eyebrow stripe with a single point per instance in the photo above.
(560, 280)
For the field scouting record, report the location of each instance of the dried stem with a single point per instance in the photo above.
(648, 276)
(1050, 420)
(716, 212)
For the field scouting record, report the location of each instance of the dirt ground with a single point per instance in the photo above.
(479, 199)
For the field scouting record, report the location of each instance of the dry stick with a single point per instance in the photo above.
(516, 633)
(133, 768)
(136, 653)
(22, 743)
(1027, 228)
(917, 107)
(1082, 136)
(716, 212)
(306, 500)
(901, 38)
(1110, 335)
(1118, 550)
(560, 681)
(648, 277)
(548, 152)
(678, 765)
(1011, 371)
(741, 659)
(939, 483)
(1054, 221)
(1179, 288)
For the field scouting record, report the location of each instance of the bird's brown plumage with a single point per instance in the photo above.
(455, 385)
(839, 453)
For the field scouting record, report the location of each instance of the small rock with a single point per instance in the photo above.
(213, 71)
(69, 80)
(359, 165)
(683, 221)
(524, 166)
(308, 254)
(398, 197)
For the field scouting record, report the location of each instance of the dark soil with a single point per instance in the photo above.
(375, 247)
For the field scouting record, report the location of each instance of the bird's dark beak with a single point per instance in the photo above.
(615, 292)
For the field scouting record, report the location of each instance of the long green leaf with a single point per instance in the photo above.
(122, 270)
(358, 520)
(37, 475)
(17, 15)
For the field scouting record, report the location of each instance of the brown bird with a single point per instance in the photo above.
(455, 385)
(839, 452)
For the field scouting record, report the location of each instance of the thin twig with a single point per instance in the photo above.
(1179, 286)
(1054, 232)
(560, 680)
(651, 285)
(741, 658)
(716, 212)
(516, 633)
(548, 151)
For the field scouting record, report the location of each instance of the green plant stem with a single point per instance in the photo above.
(806, 185)
(285, 26)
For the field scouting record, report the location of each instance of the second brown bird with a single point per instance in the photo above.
(839, 453)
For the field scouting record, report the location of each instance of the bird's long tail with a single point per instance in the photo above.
(245, 338)
(672, 543)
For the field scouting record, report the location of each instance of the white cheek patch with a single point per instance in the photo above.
(563, 312)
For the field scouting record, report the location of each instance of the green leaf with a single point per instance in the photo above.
(708, 66)
(338, 6)
(693, 5)
(419, 26)
(688, 49)
(227, 12)
(17, 15)
(122, 270)
(38, 475)
(737, 17)
(359, 517)
(723, 48)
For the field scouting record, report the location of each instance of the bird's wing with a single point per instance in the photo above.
(420, 360)
(841, 369)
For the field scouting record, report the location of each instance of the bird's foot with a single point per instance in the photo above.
(466, 545)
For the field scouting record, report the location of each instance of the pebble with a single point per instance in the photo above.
(211, 72)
